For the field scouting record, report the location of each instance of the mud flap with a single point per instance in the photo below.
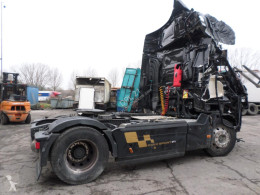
(46, 141)
(38, 167)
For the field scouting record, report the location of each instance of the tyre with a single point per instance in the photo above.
(4, 119)
(79, 155)
(223, 140)
(28, 119)
(253, 109)
(244, 112)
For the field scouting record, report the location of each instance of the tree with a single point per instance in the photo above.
(90, 72)
(55, 79)
(113, 77)
(35, 74)
(244, 56)
(73, 80)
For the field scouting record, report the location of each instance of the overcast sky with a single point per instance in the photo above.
(104, 34)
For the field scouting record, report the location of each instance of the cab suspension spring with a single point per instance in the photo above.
(162, 101)
(167, 99)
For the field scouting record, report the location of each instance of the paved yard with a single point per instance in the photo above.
(195, 173)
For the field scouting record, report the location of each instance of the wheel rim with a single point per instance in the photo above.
(252, 108)
(221, 138)
(81, 155)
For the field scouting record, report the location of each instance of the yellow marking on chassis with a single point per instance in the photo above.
(131, 137)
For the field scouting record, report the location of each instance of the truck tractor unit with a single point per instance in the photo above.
(14, 106)
(252, 84)
(190, 98)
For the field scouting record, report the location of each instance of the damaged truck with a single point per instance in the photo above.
(190, 99)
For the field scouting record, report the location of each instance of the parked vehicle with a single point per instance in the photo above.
(113, 98)
(252, 83)
(92, 92)
(180, 77)
(46, 95)
(129, 90)
(14, 106)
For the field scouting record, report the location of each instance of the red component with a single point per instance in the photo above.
(37, 145)
(54, 94)
(131, 150)
(177, 77)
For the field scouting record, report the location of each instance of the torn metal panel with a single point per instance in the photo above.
(190, 40)
(221, 31)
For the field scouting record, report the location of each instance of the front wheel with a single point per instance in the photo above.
(28, 119)
(223, 140)
(4, 119)
(79, 155)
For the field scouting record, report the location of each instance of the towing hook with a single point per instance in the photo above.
(240, 140)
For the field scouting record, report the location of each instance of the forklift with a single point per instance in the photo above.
(14, 106)
(190, 99)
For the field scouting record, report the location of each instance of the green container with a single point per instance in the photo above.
(61, 103)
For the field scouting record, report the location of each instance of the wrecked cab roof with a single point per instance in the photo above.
(186, 23)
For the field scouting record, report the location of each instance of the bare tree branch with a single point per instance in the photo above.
(73, 80)
(113, 77)
(35, 74)
(90, 72)
(244, 56)
(55, 79)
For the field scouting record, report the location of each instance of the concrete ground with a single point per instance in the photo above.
(195, 173)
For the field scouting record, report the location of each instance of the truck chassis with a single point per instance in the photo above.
(199, 106)
(78, 147)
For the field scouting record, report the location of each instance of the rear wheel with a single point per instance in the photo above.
(4, 119)
(79, 155)
(253, 109)
(223, 140)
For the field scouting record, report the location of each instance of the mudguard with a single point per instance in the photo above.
(51, 132)
(66, 122)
